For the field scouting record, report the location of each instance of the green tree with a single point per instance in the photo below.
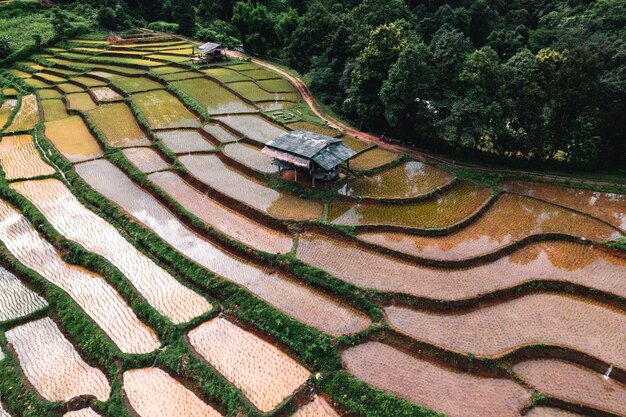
(184, 15)
(6, 47)
(255, 24)
(408, 93)
(59, 23)
(373, 64)
(286, 25)
(107, 19)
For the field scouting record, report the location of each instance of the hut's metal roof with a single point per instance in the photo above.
(326, 151)
(209, 47)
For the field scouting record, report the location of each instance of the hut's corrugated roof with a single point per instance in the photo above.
(326, 151)
(209, 47)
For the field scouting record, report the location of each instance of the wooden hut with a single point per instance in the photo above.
(211, 52)
(319, 155)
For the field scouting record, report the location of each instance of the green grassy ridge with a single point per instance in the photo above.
(619, 244)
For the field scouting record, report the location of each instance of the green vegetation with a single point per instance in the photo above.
(619, 244)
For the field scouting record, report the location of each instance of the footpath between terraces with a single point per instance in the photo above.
(318, 110)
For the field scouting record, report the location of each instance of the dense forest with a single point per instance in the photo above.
(531, 80)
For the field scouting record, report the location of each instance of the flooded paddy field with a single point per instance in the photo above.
(146, 160)
(575, 383)
(251, 157)
(535, 319)
(118, 124)
(77, 223)
(7, 108)
(52, 365)
(253, 127)
(164, 111)
(214, 98)
(185, 141)
(276, 289)
(27, 115)
(91, 292)
(212, 171)
(19, 158)
(441, 389)
(443, 211)
(72, 138)
(17, 300)
(226, 75)
(510, 219)
(220, 133)
(316, 408)
(265, 375)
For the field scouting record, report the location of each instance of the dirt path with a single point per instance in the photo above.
(317, 109)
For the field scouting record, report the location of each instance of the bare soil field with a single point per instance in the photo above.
(550, 319)
(20, 159)
(607, 206)
(151, 392)
(70, 218)
(52, 365)
(16, 300)
(27, 116)
(560, 261)
(265, 375)
(453, 393)
(292, 298)
(510, 219)
(574, 383)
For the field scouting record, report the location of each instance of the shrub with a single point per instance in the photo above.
(6, 47)
(162, 26)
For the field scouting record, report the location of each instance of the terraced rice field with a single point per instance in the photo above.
(185, 141)
(146, 160)
(265, 375)
(436, 387)
(151, 392)
(253, 127)
(531, 320)
(574, 383)
(52, 365)
(251, 157)
(511, 219)
(74, 221)
(17, 300)
(117, 122)
(19, 158)
(409, 180)
(454, 295)
(293, 299)
(164, 111)
(212, 171)
(452, 207)
(566, 262)
(91, 292)
(72, 138)
(223, 219)
(27, 115)
(606, 206)
(213, 97)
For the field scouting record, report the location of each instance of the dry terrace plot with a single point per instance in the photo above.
(69, 88)
(90, 291)
(152, 392)
(117, 122)
(251, 91)
(49, 93)
(19, 158)
(184, 141)
(265, 375)
(223, 219)
(551, 319)
(52, 365)
(316, 408)
(253, 127)
(80, 101)
(259, 73)
(442, 211)
(314, 127)
(185, 75)
(72, 139)
(55, 79)
(550, 412)
(89, 81)
(54, 110)
(276, 105)
(355, 144)
(411, 179)
(16, 300)
(606, 206)
(212, 171)
(70, 218)
(510, 219)
(7, 108)
(146, 160)
(3, 413)
(558, 261)
(164, 111)
(35, 83)
(277, 86)
(292, 298)
(85, 412)
(220, 133)
(105, 94)
(574, 383)
(453, 393)
(27, 116)
(250, 156)
(225, 75)
(135, 84)
(213, 97)
(373, 158)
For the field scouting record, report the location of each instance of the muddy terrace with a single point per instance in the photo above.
(154, 263)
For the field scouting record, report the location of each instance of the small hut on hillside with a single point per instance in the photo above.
(319, 155)
(211, 52)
